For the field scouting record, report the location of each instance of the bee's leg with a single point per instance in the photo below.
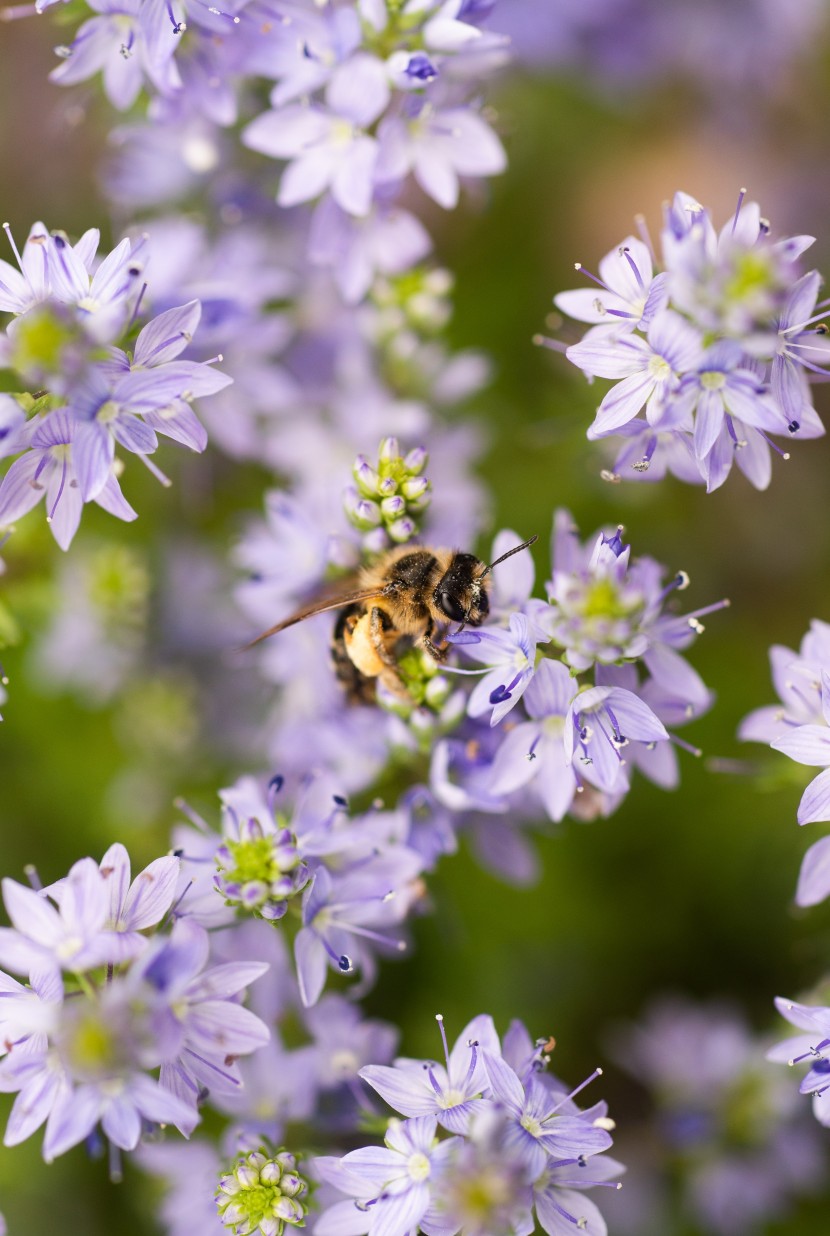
(379, 626)
(437, 654)
(358, 687)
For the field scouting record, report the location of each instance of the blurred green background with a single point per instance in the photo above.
(688, 891)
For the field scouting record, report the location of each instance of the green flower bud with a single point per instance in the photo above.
(262, 1195)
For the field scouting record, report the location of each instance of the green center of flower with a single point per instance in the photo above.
(532, 1125)
(39, 339)
(714, 380)
(603, 599)
(254, 860)
(91, 1049)
(752, 275)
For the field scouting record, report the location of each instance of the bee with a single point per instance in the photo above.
(406, 598)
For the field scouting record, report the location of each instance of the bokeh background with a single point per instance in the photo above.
(609, 110)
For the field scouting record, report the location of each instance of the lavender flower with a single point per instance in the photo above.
(93, 400)
(74, 936)
(718, 347)
(392, 1186)
(799, 728)
(507, 1156)
(537, 1130)
(509, 661)
(451, 1093)
(47, 471)
(127, 43)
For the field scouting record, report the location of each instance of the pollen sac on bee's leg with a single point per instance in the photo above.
(359, 688)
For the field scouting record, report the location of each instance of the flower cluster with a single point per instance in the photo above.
(800, 727)
(70, 313)
(107, 1005)
(518, 1143)
(387, 84)
(715, 341)
(359, 875)
(366, 96)
(576, 746)
(724, 1132)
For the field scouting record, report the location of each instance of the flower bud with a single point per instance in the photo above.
(388, 450)
(365, 476)
(402, 530)
(267, 1197)
(416, 460)
(392, 508)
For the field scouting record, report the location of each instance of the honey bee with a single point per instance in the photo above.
(406, 598)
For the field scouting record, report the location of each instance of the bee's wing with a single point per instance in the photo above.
(319, 607)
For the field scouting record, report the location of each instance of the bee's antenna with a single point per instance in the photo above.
(509, 554)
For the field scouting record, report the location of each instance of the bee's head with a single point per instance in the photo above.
(461, 594)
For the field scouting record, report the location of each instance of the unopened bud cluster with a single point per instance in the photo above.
(386, 500)
(262, 1194)
(260, 872)
(417, 300)
(433, 706)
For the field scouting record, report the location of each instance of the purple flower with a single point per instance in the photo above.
(799, 348)
(509, 660)
(344, 1041)
(387, 241)
(29, 1011)
(22, 289)
(453, 1093)
(74, 936)
(796, 677)
(726, 1129)
(810, 744)
(650, 370)
(328, 146)
(438, 146)
(557, 1195)
(630, 294)
(339, 912)
(208, 1028)
(742, 295)
(810, 1047)
(128, 42)
(601, 721)
(48, 471)
(122, 1100)
(392, 1186)
(534, 751)
(133, 906)
(537, 1131)
(103, 299)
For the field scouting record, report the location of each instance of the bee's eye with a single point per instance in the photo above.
(449, 605)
